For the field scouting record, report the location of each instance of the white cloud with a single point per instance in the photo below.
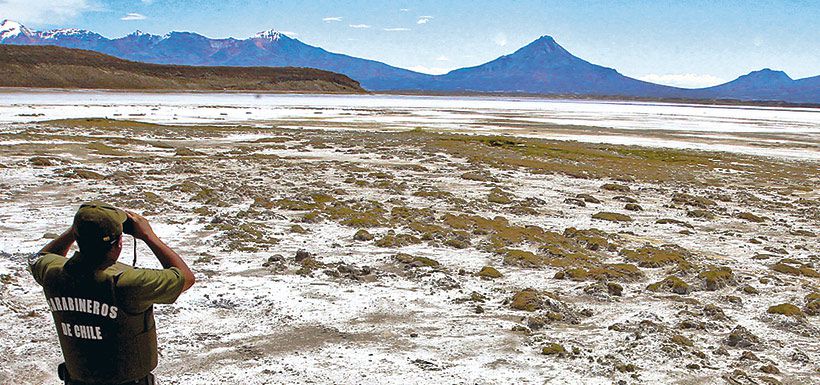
(359, 26)
(133, 16)
(424, 19)
(45, 11)
(429, 70)
(405, 9)
(442, 58)
(289, 33)
(396, 29)
(500, 39)
(332, 19)
(147, 2)
(683, 80)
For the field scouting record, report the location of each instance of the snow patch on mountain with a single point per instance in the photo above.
(10, 28)
(270, 34)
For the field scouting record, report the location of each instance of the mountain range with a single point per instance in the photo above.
(541, 67)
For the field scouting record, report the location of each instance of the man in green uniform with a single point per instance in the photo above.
(103, 309)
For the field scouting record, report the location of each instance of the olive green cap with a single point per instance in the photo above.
(98, 222)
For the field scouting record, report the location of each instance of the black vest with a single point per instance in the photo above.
(101, 342)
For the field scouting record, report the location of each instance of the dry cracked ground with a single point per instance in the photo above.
(329, 256)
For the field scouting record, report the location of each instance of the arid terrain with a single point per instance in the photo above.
(57, 67)
(352, 253)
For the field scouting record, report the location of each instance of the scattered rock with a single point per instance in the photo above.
(633, 207)
(624, 198)
(770, 369)
(746, 216)
(700, 213)
(717, 278)
(613, 217)
(742, 338)
(786, 309)
(616, 187)
(553, 349)
(812, 304)
(670, 221)
(681, 340)
(499, 196)
(614, 289)
(414, 261)
(363, 235)
(588, 198)
(575, 202)
(479, 176)
(185, 151)
(297, 229)
(749, 289)
(489, 272)
(426, 365)
(301, 255)
(691, 200)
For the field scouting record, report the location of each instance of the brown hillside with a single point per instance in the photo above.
(57, 67)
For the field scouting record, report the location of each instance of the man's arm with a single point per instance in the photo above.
(167, 257)
(61, 244)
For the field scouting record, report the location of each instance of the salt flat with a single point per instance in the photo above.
(785, 132)
(618, 263)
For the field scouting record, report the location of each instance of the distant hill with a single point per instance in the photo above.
(765, 85)
(268, 49)
(542, 67)
(57, 67)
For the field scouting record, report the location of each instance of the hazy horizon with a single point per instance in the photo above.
(691, 44)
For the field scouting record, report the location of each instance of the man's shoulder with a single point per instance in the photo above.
(132, 277)
(41, 263)
(140, 288)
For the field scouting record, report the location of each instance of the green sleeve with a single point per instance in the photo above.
(140, 288)
(40, 263)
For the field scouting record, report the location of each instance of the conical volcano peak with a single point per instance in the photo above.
(544, 45)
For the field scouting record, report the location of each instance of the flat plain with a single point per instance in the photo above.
(462, 243)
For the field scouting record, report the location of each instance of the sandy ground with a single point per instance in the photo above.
(395, 228)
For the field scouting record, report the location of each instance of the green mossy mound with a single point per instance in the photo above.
(633, 207)
(793, 267)
(615, 271)
(692, 200)
(746, 216)
(653, 257)
(397, 240)
(672, 284)
(612, 217)
(532, 300)
(717, 278)
(616, 187)
(700, 213)
(363, 235)
(489, 272)
(786, 309)
(499, 196)
(812, 304)
(415, 261)
(553, 349)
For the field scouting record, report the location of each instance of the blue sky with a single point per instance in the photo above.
(687, 43)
